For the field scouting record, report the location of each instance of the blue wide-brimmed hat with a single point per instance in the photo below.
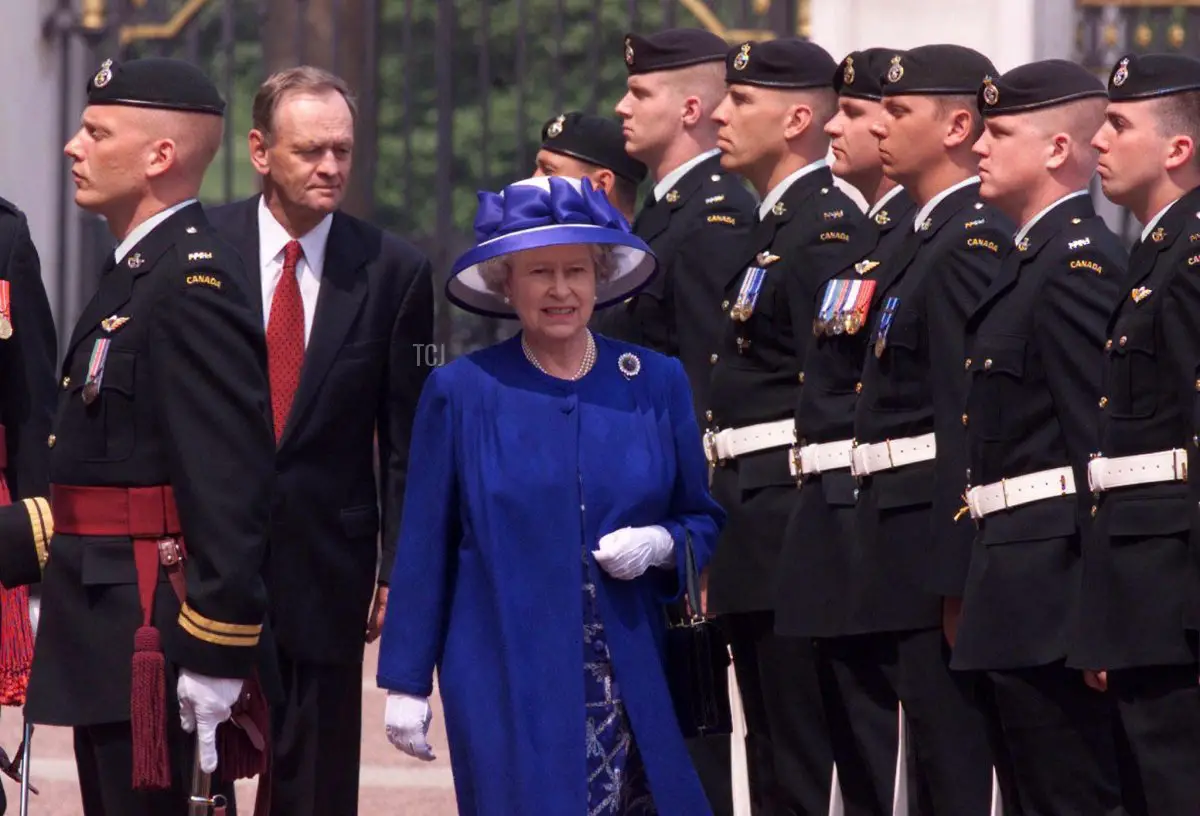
(548, 211)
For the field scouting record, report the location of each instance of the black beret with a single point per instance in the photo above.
(155, 82)
(788, 62)
(593, 139)
(1149, 75)
(861, 73)
(671, 49)
(930, 70)
(1038, 85)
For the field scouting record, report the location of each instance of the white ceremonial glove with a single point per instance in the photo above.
(406, 719)
(204, 703)
(35, 612)
(627, 553)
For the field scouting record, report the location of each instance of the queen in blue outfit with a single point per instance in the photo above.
(557, 479)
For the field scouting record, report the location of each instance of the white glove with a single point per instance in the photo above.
(204, 703)
(35, 612)
(630, 551)
(406, 719)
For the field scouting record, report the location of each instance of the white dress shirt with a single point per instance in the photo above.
(272, 239)
(882, 202)
(938, 199)
(676, 175)
(145, 228)
(776, 193)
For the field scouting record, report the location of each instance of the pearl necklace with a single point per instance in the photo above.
(585, 365)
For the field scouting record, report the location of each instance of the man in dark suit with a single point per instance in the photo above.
(1137, 610)
(348, 310)
(161, 464)
(582, 145)
(910, 449)
(697, 215)
(1034, 350)
(815, 559)
(771, 130)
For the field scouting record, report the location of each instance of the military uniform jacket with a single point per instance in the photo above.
(816, 558)
(1139, 574)
(756, 373)
(911, 550)
(27, 360)
(183, 401)
(697, 232)
(1035, 356)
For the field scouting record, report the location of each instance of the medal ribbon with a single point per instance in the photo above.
(748, 295)
(885, 319)
(5, 306)
(96, 364)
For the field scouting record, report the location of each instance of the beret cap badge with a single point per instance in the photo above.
(1122, 72)
(629, 51)
(991, 95)
(895, 73)
(743, 58)
(848, 71)
(104, 75)
(556, 127)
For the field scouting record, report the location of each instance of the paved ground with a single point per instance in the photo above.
(391, 782)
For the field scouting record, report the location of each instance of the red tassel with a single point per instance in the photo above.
(148, 714)
(16, 635)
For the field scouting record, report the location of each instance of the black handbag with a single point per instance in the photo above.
(697, 664)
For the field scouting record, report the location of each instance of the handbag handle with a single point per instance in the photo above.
(691, 578)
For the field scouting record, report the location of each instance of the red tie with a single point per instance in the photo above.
(285, 339)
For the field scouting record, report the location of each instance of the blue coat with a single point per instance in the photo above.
(513, 473)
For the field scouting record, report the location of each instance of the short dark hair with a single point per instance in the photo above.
(1179, 115)
(303, 78)
(950, 102)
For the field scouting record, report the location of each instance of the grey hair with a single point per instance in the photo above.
(496, 271)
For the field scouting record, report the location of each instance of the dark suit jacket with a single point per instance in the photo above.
(756, 368)
(1035, 349)
(696, 232)
(363, 371)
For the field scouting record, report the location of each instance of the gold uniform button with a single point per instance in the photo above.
(1124, 340)
(1198, 385)
(1103, 402)
(964, 420)
(66, 383)
(800, 377)
(967, 364)
(50, 442)
(987, 364)
(858, 388)
(724, 305)
(713, 359)
(1095, 508)
(1108, 346)
(1196, 440)
(708, 415)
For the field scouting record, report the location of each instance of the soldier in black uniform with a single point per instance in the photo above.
(779, 99)
(910, 448)
(583, 145)
(814, 565)
(697, 216)
(160, 465)
(1140, 579)
(1034, 358)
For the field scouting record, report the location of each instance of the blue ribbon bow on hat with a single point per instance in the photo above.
(522, 207)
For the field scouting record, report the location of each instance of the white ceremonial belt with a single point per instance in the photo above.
(1032, 487)
(810, 460)
(894, 453)
(731, 443)
(1145, 468)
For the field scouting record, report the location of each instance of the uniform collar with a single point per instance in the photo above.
(146, 227)
(1153, 222)
(272, 238)
(1032, 221)
(928, 209)
(882, 202)
(776, 193)
(674, 177)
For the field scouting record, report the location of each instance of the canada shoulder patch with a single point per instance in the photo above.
(203, 280)
(722, 219)
(1084, 263)
(984, 243)
(835, 236)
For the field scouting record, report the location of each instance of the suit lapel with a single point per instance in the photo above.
(653, 221)
(245, 240)
(790, 204)
(945, 209)
(343, 290)
(117, 287)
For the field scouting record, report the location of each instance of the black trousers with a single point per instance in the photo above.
(1061, 740)
(104, 760)
(787, 741)
(862, 709)
(949, 763)
(1159, 709)
(317, 734)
